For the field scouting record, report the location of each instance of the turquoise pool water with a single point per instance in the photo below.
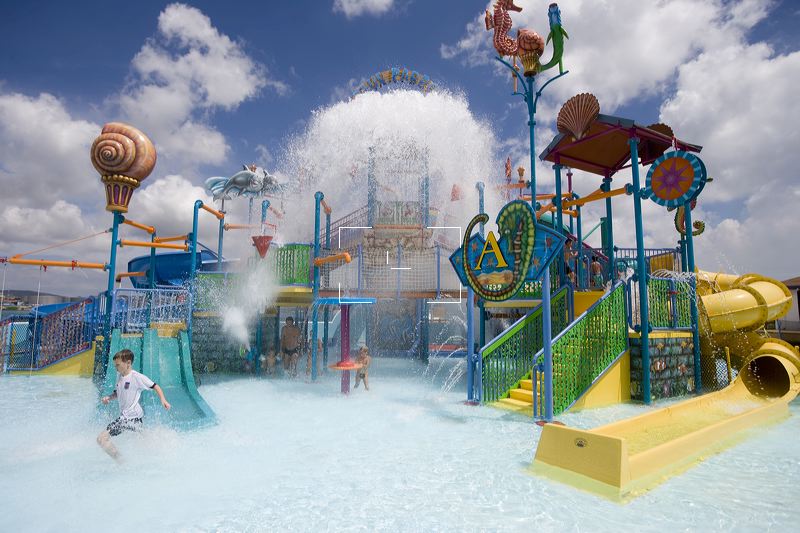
(406, 456)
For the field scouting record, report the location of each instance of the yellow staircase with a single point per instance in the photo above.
(520, 399)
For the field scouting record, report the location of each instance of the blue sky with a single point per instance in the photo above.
(721, 73)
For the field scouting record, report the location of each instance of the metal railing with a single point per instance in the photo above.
(32, 342)
(669, 303)
(655, 259)
(509, 357)
(357, 218)
(135, 310)
(583, 351)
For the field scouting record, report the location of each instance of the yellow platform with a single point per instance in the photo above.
(80, 364)
(626, 457)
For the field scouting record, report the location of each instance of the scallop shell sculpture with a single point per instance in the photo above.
(123, 156)
(662, 129)
(577, 115)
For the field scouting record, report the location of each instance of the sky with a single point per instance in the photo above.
(219, 84)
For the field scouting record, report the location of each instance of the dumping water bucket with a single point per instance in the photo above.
(261, 242)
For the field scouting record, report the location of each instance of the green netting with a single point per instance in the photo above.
(293, 264)
(509, 357)
(583, 351)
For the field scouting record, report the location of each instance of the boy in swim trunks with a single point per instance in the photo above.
(130, 385)
(364, 360)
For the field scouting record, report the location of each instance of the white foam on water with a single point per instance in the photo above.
(405, 456)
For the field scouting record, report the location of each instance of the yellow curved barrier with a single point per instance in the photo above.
(621, 459)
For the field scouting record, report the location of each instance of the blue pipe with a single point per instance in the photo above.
(606, 187)
(641, 270)
(314, 326)
(579, 262)
(481, 304)
(547, 334)
(318, 197)
(264, 208)
(562, 274)
(151, 276)
(470, 346)
(219, 244)
(193, 246)
(399, 265)
(438, 272)
(112, 264)
(698, 379)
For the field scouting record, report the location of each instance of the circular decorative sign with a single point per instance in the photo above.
(675, 179)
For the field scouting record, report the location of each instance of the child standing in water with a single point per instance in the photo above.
(130, 385)
(364, 360)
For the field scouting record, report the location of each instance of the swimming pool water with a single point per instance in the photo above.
(406, 456)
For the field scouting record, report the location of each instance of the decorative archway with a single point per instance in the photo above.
(392, 76)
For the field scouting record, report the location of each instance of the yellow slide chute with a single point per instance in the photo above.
(619, 458)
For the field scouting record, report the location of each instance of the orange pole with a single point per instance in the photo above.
(171, 239)
(214, 212)
(66, 264)
(148, 229)
(184, 247)
(572, 213)
(544, 209)
(326, 207)
(276, 212)
(596, 196)
(508, 186)
(332, 258)
(130, 275)
(241, 226)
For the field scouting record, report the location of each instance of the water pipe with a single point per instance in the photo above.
(318, 197)
(641, 271)
(16, 260)
(559, 225)
(99, 361)
(687, 211)
(184, 237)
(548, 348)
(471, 356)
(149, 229)
(145, 244)
(481, 305)
(610, 227)
(344, 256)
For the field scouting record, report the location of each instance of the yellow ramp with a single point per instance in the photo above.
(622, 458)
(80, 364)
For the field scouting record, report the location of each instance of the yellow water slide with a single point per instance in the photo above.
(624, 457)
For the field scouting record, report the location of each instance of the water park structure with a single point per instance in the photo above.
(542, 324)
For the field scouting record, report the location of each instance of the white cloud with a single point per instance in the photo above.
(44, 152)
(356, 8)
(186, 71)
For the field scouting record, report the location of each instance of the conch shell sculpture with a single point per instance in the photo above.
(577, 115)
(123, 156)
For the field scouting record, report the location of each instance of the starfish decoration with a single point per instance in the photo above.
(536, 261)
(548, 242)
(474, 246)
(671, 179)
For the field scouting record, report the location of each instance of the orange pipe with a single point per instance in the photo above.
(326, 207)
(572, 213)
(171, 239)
(545, 209)
(520, 185)
(596, 196)
(184, 247)
(130, 275)
(148, 229)
(214, 212)
(241, 226)
(332, 258)
(276, 212)
(66, 264)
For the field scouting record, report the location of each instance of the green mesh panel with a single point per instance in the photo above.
(509, 357)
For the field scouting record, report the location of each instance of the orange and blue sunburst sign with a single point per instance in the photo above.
(675, 179)
(498, 269)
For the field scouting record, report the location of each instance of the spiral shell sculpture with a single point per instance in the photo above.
(577, 115)
(123, 156)
(531, 48)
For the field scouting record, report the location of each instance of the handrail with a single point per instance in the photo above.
(144, 227)
(509, 357)
(583, 350)
(15, 260)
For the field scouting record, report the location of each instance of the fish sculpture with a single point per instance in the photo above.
(252, 181)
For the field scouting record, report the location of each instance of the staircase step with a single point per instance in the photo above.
(515, 405)
(526, 384)
(522, 395)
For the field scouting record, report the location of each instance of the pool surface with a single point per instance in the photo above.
(406, 456)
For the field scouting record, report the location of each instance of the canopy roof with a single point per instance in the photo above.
(604, 149)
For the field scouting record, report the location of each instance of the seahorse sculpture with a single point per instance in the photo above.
(516, 223)
(680, 221)
(528, 45)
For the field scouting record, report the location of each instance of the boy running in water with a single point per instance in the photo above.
(364, 360)
(130, 385)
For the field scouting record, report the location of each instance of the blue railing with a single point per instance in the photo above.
(655, 259)
(135, 310)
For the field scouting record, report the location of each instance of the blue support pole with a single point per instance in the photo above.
(610, 227)
(579, 256)
(318, 197)
(219, 244)
(372, 188)
(193, 241)
(698, 379)
(325, 335)
(426, 195)
(548, 348)
(529, 100)
(684, 265)
(438, 272)
(641, 270)
(264, 208)
(151, 275)
(470, 346)
(559, 225)
(481, 304)
(112, 265)
(314, 314)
